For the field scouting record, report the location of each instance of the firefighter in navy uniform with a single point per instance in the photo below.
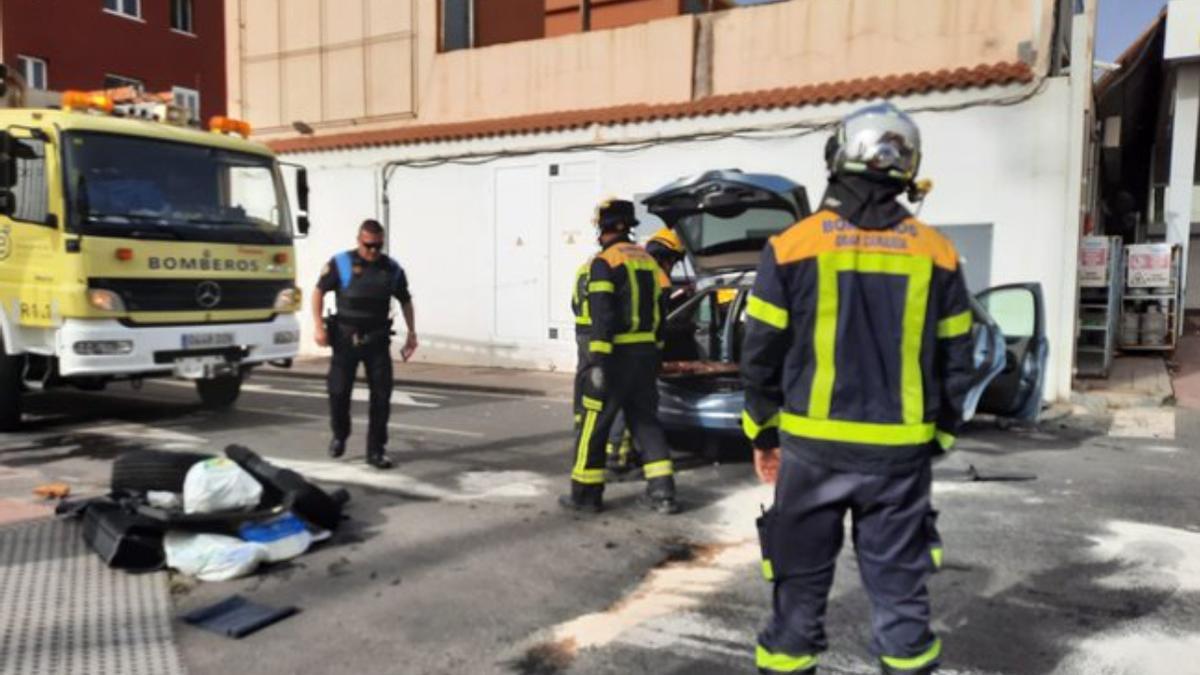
(623, 458)
(583, 334)
(365, 281)
(857, 359)
(626, 302)
(666, 249)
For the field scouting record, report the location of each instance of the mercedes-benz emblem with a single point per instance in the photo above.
(208, 294)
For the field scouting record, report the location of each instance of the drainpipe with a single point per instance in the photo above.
(585, 14)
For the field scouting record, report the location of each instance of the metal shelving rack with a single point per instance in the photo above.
(1100, 287)
(1150, 310)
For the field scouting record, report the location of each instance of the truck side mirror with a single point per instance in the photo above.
(302, 189)
(8, 160)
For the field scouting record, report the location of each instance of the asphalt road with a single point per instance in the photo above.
(1077, 552)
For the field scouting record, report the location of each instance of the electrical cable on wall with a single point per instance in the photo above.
(784, 131)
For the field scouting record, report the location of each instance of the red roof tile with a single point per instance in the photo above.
(830, 92)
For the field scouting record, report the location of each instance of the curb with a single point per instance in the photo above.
(428, 384)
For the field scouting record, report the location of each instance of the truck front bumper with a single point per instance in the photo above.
(108, 348)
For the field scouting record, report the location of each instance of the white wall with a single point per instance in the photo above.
(1003, 165)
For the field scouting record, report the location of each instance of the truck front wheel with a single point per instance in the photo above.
(10, 391)
(219, 392)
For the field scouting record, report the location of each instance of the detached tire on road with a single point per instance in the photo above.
(219, 392)
(10, 391)
(144, 470)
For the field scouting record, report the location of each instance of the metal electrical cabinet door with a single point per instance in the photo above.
(572, 197)
(521, 252)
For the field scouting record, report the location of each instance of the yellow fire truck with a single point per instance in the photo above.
(134, 245)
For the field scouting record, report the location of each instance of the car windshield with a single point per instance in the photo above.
(716, 232)
(128, 186)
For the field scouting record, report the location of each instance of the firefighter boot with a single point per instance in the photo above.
(660, 496)
(622, 462)
(583, 498)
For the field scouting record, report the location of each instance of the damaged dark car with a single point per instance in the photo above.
(724, 219)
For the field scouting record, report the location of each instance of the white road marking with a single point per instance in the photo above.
(503, 484)
(668, 590)
(363, 422)
(1156, 423)
(525, 484)
(353, 473)
(360, 394)
(675, 588)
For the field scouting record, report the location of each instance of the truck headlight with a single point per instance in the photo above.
(287, 337)
(103, 347)
(107, 301)
(288, 300)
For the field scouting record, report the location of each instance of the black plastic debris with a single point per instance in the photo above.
(236, 617)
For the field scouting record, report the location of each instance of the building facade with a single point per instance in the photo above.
(486, 162)
(175, 46)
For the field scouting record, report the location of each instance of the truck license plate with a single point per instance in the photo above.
(196, 368)
(204, 340)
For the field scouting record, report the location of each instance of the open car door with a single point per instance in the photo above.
(1011, 385)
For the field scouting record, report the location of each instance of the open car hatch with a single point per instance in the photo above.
(724, 218)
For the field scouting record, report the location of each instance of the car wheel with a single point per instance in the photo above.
(144, 470)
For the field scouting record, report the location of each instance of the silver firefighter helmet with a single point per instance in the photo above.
(877, 140)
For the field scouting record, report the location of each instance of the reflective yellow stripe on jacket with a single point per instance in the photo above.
(919, 271)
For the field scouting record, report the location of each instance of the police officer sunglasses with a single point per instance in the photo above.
(371, 245)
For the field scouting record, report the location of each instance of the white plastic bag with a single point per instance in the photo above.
(212, 557)
(284, 536)
(219, 484)
(164, 500)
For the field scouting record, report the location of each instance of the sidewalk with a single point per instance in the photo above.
(469, 378)
(1133, 382)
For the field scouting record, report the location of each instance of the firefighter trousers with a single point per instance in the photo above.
(896, 544)
(631, 386)
(376, 357)
(582, 338)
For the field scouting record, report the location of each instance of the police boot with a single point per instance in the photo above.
(583, 498)
(337, 447)
(377, 457)
(660, 496)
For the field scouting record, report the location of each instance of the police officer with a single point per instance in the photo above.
(857, 357)
(626, 304)
(365, 281)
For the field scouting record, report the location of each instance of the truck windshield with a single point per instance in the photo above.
(127, 186)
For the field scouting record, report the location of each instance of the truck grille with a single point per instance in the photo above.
(190, 295)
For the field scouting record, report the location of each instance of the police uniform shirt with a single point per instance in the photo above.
(331, 278)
